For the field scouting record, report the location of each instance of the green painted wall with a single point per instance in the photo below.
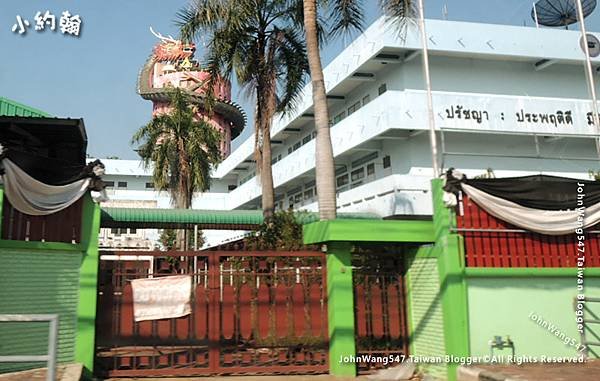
(88, 284)
(38, 282)
(340, 309)
(502, 305)
(453, 289)
(425, 313)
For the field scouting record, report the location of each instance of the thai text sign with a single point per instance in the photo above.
(161, 298)
(506, 113)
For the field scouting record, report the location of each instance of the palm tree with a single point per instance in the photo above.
(183, 148)
(344, 16)
(255, 40)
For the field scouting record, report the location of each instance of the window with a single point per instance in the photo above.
(122, 184)
(298, 197)
(387, 161)
(314, 133)
(306, 139)
(365, 159)
(308, 194)
(118, 231)
(276, 159)
(366, 99)
(371, 169)
(149, 185)
(132, 231)
(382, 89)
(357, 174)
(342, 180)
(290, 150)
(353, 108)
(338, 117)
(231, 187)
(297, 145)
(109, 184)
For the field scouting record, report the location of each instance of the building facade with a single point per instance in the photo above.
(508, 101)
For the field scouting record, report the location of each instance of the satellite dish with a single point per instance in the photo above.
(593, 44)
(560, 12)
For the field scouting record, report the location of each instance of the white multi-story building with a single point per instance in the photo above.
(510, 99)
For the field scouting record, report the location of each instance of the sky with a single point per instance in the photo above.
(93, 76)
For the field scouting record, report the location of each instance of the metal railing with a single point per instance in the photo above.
(50, 357)
(585, 322)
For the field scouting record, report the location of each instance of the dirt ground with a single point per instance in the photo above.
(589, 371)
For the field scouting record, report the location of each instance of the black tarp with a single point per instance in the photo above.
(51, 150)
(540, 191)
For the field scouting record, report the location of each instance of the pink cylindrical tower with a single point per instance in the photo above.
(172, 65)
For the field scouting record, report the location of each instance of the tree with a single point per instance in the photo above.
(343, 16)
(183, 148)
(255, 40)
(168, 239)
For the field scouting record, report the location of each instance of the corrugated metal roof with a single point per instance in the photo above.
(204, 219)
(12, 108)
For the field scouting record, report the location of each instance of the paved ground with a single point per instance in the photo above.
(589, 371)
(322, 377)
(70, 372)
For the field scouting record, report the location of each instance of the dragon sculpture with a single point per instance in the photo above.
(172, 65)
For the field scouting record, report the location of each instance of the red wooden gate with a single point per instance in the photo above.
(252, 313)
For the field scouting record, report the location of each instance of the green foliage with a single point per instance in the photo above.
(168, 239)
(182, 147)
(594, 175)
(281, 232)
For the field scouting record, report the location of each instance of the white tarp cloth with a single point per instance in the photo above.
(161, 298)
(551, 222)
(35, 198)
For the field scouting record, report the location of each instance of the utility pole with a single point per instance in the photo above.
(589, 73)
(430, 113)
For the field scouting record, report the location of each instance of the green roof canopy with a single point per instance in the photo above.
(205, 219)
(12, 108)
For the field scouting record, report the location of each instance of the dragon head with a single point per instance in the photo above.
(170, 49)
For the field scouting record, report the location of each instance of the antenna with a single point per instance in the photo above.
(560, 13)
(535, 18)
(445, 12)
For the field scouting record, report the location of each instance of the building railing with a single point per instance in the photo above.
(50, 357)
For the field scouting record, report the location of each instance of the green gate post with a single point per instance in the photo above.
(88, 283)
(453, 287)
(1, 204)
(340, 306)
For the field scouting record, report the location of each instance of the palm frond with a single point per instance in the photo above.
(401, 13)
(345, 16)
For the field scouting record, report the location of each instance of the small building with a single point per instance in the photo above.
(48, 235)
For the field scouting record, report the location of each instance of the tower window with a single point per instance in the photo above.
(387, 161)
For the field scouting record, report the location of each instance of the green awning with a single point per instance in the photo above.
(145, 218)
(11, 108)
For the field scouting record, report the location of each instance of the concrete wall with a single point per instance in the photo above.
(502, 306)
